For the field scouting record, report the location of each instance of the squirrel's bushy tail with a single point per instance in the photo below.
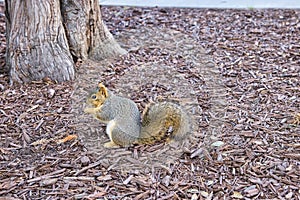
(165, 120)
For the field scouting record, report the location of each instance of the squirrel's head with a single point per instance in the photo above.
(98, 97)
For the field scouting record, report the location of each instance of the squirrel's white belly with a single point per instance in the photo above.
(110, 126)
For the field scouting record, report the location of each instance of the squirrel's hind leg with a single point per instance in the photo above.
(118, 137)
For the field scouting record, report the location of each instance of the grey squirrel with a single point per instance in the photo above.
(164, 120)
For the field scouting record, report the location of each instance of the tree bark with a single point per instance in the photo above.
(88, 36)
(45, 37)
(36, 43)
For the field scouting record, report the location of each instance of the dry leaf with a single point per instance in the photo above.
(67, 138)
(194, 197)
(237, 195)
(204, 193)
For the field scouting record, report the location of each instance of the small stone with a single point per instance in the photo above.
(51, 93)
(48, 182)
(85, 160)
(2, 87)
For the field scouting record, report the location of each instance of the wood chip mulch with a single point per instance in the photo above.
(249, 101)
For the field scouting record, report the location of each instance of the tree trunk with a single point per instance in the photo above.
(37, 46)
(88, 36)
(43, 38)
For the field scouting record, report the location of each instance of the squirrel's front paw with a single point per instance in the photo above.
(92, 111)
(110, 145)
(89, 110)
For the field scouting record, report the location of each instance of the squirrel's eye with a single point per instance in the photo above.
(94, 96)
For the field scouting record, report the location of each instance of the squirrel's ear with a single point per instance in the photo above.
(103, 89)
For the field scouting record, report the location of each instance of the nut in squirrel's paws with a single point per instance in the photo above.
(110, 145)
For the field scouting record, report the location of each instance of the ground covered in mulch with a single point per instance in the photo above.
(246, 140)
